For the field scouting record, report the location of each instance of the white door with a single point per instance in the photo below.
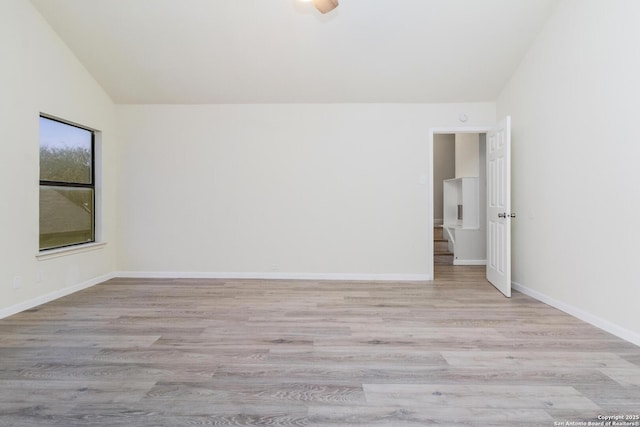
(499, 206)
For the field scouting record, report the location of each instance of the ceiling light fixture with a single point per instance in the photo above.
(323, 6)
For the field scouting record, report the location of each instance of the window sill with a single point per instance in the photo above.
(72, 250)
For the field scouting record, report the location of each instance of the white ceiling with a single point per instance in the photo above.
(283, 51)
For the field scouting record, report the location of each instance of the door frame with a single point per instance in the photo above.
(442, 131)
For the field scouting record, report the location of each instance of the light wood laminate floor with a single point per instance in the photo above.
(453, 352)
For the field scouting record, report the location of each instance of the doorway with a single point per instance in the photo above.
(479, 205)
(459, 196)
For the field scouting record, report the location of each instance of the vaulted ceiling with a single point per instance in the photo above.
(284, 51)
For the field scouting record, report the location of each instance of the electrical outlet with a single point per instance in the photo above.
(39, 277)
(17, 282)
(274, 267)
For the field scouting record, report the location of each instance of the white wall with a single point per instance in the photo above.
(39, 74)
(467, 160)
(317, 189)
(471, 245)
(576, 180)
(444, 167)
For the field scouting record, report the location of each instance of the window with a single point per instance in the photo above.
(67, 185)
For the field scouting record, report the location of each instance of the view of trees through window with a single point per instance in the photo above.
(67, 190)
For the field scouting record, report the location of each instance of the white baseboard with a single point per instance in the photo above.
(26, 305)
(275, 276)
(596, 321)
(469, 262)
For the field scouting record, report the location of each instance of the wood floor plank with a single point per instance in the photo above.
(624, 377)
(44, 391)
(466, 396)
(501, 359)
(621, 399)
(77, 340)
(279, 393)
(363, 416)
(353, 373)
(177, 352)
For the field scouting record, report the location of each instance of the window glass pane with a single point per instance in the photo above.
(66, 216)
(65, 152)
